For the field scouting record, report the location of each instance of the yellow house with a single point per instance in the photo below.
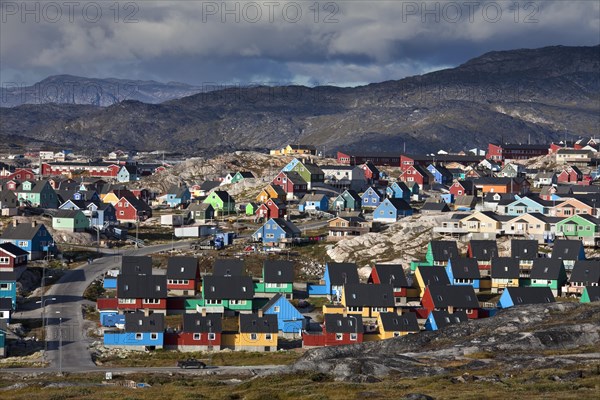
(334, 309)
(257, 332)
(390, 325)
(111, 198)
(430, 275)
(271, 192)
(505, 273)
(368, 300)
(531, 225)
(482, 222)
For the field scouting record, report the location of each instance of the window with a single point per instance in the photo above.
(212, 302)
(211, 336)
(276, 309)
(153, 336)
(339, 336)
(270, 236)
(5, 286)
(268, 336)
(253, 336)
(4, 260)
(151, 301)
(355, 309)
(237, 302)
(197, 336)
(23, 243)
(121, 212)
(139, 336)
(126, 301)
(353, 336)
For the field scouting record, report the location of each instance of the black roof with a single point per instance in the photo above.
(546, 268)
(365, 295)
(530, 295)
(12, 249)
(586, 271)
(138, 322)
(5, 303)
(443, 249)
(392, 274)
(505, 268)
(142, 286)
(464, 268)
(459, 296)
(338, 323)
(393, 322)
(435, 206)
(275, 271)
(567, 249)
(444, 318)
(271, 302)
(342, 273)
(136, 265)
(8, 276)
(252, 323)
(228, 267)
(434, 275)
(524, 249)
(593, 292)
(400, 204)
(22, 231)
(228, 288)
(182, 268)
(484, 250)
(196, 323)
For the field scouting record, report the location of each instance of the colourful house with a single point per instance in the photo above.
(583, 227)
(183, 275)
(337, 275)
(276, 230)
(426, 276)
(367, 300)
(391, 325)
(289, 319)
(128, 173)
(271, 192)
(34, 238)
(392, 274)
(11, 257)
(277, 277)
(37, 194)
(399, 190)
(371, 198)
(200, 332)
(349, 200)
(505, 273)
(590, 293)
(440, 251)
(569, 251)
(227, 293)
(141, 332)
(463, 271)
(528, 204)
(451, 298)
(69, 220)
(178, 195)
(337, 329)
(585, 273)
(221, 201)
(2, 341)
(250, 208)
(439, 319)
(257, 332)
(201, 212)
(516, 296)
(314, 202)
(548, 272)
(8, 286)
(391, 210)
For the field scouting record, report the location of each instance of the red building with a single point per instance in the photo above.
(22, 174)
(569, 175)
(11, 256)
(338, 329)
(292, 183)
(96, 169)
(418, 174)
(271, 209)
(451, 298)
(183, 275)
(371, 172)
(462, 188)
(131, 209)
(392, 274)
(201, 332)
(502, 152)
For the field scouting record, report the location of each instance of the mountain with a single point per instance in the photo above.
(68, 89)
(538, 95)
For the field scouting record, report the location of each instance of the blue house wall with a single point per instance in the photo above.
(430, 324)
(289, 319)
(437, 176)
(111, 318)
(397, 192)
(450, 274)
(505, 300)
(129, 339)
(110, 282)
(525, 205)
(10, 292)
(316, 290)
(370, 198)
(270, 228)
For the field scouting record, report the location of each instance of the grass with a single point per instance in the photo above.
(94, 291)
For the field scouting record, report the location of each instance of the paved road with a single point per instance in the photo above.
(67, 308)
(247, 369)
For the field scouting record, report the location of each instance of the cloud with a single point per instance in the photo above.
(345, 43)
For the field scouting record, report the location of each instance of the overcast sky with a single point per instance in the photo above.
(275, 42)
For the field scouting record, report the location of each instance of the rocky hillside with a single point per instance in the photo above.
(68, 89)
(517, 339)
(540, 94)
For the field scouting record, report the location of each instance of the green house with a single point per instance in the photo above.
(590, 293)
(227, 293)
(440, 251)
(311, 173)
(251, 208)
(69, 220)
(278, 277)
(580, 226)
(549, 272)
(241, 175)
(347, 201)
(37, 194)
(221, 201)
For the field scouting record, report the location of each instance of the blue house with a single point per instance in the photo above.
(112, 319)
(440, 174)
(276, 230)
(8, 287)
(398, 190)
(31, 237)
(391, 210)
(178, 195)
(527, 204)
(128, 173)
(463, 271)
(515, 296)
(314, 202)
(289, 319)
(349, 200)
(336, 275)
(371, 198)
(140, 332)
(440, 319)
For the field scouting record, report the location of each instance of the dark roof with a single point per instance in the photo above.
(400, 204)
(593, 292)
(338, 323)
(209, 185)
(228, 267)
(342, 273)
(271, 302)
(142, 286)
(484, 250)
(444, 318)
(224, 196)
(22, 231)
(546, 268)
(365, 295)
(393, 322)
(530, 295)
(228, 288)
(567, 249)
(505, 268)
(12, 249)
(196, 323)
(5, 303)
(275, 271)
(435, 206)
(252, 323)
(138, 322)
(65, 213)
(182, 268)
(524, 249)
(392, 274)
(434, 275)
(136, 265)
(295, 177)
(459, 296)
(464, 268)
(443, 249)
(8, 276)
(287, 226)
(586, 271)
(525, 146)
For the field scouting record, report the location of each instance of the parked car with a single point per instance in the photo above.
(191, 363)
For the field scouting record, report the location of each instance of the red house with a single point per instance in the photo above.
(183, 276)
(12, 185)
(11, 256)
(416, 173)
(371, 172)
(142, 292)
(502, 152)
(131, 209)
(201, 332)
(338, 329)
(569, 175)
(98, 170)
(451, 298)
(462, 188)
(292, 184)
(392, 274)
(22, 174)
(271, 209)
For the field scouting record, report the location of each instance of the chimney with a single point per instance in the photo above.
(146, 312)
(399, 311)
(33, 224)
(204, 312)
(15, 223)
(345, 312)
(260, 313)
(450, 309)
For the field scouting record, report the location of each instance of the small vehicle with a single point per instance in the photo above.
(191, 363)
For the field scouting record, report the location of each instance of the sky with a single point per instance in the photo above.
(343, 43)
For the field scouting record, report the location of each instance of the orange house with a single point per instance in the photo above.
(571, 207)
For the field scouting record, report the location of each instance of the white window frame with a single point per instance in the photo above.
(339, 336)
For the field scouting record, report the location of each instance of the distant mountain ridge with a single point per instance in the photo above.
(538, 95)
(69, 89)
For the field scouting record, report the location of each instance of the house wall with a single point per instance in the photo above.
(129, 340)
